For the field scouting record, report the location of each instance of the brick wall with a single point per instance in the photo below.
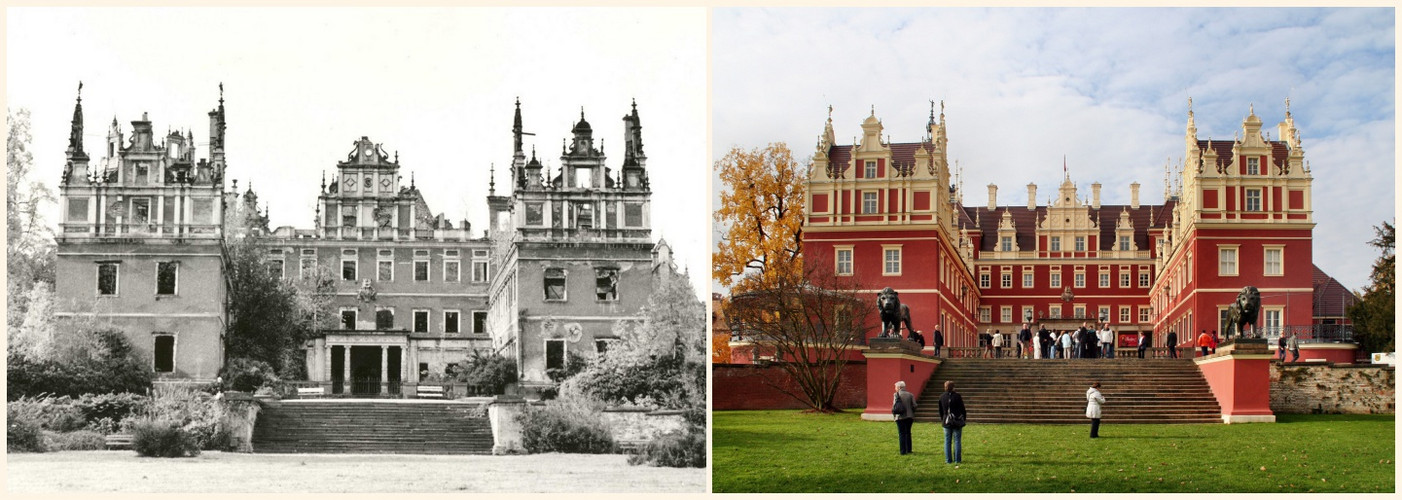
(1333, 388)
(748, 387)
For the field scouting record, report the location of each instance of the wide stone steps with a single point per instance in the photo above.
(1148, 391)
(373, 427)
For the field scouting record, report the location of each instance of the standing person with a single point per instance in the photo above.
(1066, 341)
(1294, 346)
(1171, 341)
(1143, 344)
(903, 408)
(997, 344)
(1024, 342)
(1214, 342)
(1280, 348)
(952, 404)
(1203, 342)
(1045, 336)
(1076, 343)
(1093, 402)
(1107, 343)
(916, 337)
(1037, 346)
(939, 342)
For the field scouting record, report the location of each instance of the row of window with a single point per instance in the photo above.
(605, 284)
(420, 320)
(891, 260)
(1125, 315)
(109, 277)
(1005, 244)
(985, 278)
(385, 264)
(1273, 265)
(583, 214)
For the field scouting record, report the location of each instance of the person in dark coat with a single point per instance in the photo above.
(1024, 339)
(916, 337)
(952, 402)
(938, 340)
(1171, 341)
(906, 418)
(1045, 336)
(1280, 348)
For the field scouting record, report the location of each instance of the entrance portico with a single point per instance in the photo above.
(361, 363)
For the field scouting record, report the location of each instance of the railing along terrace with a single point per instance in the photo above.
(1305, 333)
(374, 388)
(137, 230)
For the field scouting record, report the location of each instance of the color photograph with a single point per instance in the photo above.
(1020, 250)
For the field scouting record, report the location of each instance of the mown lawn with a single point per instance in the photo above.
(790, 451)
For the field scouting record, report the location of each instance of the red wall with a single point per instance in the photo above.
(743, 387)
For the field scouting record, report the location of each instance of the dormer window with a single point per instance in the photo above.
(1253, 166)
(870, 172)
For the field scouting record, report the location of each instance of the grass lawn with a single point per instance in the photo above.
(215, 472)
(790, 451)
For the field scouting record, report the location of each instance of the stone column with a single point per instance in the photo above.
(345, 368)
(384, 369)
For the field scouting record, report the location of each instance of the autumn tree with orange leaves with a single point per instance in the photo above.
(760, 218)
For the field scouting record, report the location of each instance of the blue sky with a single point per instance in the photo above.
(1107, 88)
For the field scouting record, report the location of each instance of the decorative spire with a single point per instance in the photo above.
(75, 133)
(323, 184)
(396, 157)
(411, 179)
(492, 183)
(516, 126)
(1287, 106)
(221, 93)
(932, 111)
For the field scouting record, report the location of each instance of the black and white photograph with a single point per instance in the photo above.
(357, 250)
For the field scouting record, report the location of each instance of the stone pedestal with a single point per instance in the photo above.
(506, 430)
(890, 360)
(1240, 377)
(240, 415)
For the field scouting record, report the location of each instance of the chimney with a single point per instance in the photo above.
(992, 196)
(1133, 196)
(1031, 196)
(1095, 195)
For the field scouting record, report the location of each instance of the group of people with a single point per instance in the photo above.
(1084, 342)
(953, 417)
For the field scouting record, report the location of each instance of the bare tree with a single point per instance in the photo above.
(808, 322)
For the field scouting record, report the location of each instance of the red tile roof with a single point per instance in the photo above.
(1331, 298)
(1026, 220)
(1280, 151)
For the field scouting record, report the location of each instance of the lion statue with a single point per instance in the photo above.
(893, 313)
(1243, 311)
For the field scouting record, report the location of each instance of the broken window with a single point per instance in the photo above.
(275, 268)
(348, 319)
(165, 277)
(107, 278)
(535, 214)
(584, 216)
(420, 321)
(555, 354)
(633, 215)
(606, 284)
(384, 319)
(479, 321)
(165, 353)
(554, 284)
(555, 218)
(450, 322)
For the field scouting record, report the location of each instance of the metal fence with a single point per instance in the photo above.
(374, 388)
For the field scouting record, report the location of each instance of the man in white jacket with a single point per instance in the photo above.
(1107, 342)
(1093, 402)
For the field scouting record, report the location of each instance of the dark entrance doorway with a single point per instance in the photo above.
(365, 369)
(338, 369)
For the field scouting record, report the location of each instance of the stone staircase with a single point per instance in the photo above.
(1053, 391)
(378, 426)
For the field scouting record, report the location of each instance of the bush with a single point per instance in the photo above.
(162, 438)
(95, 362)
(100, 408)
(247, 375)
(565, 426)
(76, 440)
(23, 434)
(493, 372)
(686, 449)
(197, 413)
(52, 413)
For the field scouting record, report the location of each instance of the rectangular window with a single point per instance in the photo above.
(601, 346)
(77, 210)
(1271, 321)
(479, 321)
(384, 319)
(451, 273)
(166, 277)
(1080, 243)
(1054, 311)
(870, 170)
(1055, 279)
(1124, 314)
(554, 284)
(1006, 313)
(605, 284)
(420, 321)
(164, 353)
(420, 265)
(1253, 200)
(985, 314)
(1105, 278)
(1027, 277)
(308, 268)
(1274, 261)
(633, 215)
(1226, 261)
(1143, 314)
(384, 270)
(275, 268)
(107, 278)
(450, 322)
(893, 261)
(348, 215)
(1080, 278)
(1027, 314)
(1124, 243)
(1143, 278)
(1104, 314)
(1006, 243)
(844, 261)
(1253, 166)
(479, 271)
(555, 354)
(348, 264)
(348, 319)
(203, 209)
(1124, 277)
(140, 210)
(584, 216)
(535, 214)
(985, 280)
(1056, 243)
(1007, 279)
(1079, 311)
(868, 203)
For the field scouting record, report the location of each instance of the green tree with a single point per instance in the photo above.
(1372, 317)
(270, 317)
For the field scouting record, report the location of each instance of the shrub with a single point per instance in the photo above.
(684, 449)
(493, 371)
(162, 438)
(76, 440)
(197, 413)
(565, 426)
(110, 407)
(23, 434)
(52, 413)
(247, 375)
(99, 361)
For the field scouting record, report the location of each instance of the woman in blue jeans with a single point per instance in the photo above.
(952, 403)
